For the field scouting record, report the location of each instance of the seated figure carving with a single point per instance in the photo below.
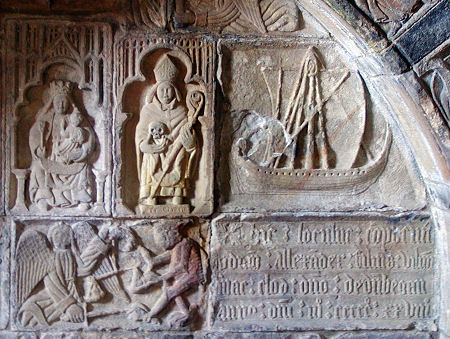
(61, 142)
(73, 137)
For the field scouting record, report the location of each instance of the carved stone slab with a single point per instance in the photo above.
(24, 335)
(103, 274)
(390, 15)
(57, 94)
(328, 273)
(239, 17)
(294, 137)
(434, 70)
(164, 126)
(4, 272)
(45, 6)
(277, 335)
(228, 16)
(3, 131)
(383, 335)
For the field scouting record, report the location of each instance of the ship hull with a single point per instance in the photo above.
(252, 178)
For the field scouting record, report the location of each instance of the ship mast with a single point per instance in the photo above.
(305, 111)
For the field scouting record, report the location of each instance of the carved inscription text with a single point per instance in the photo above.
(345, 271)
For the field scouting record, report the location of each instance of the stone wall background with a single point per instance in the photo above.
(398, 45)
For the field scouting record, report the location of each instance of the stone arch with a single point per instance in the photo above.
(421, 125)
(257, 232)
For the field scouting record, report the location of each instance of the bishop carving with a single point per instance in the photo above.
(166, 143)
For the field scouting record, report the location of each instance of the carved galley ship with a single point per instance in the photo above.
(291, 151)
(223, 168)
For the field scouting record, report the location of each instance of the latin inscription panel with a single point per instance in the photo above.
(310, 273)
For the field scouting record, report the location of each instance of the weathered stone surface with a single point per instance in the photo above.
(416, 43)
(368, 31)
(4, 272)
(389, 14)
(58, 85)
(306, 136)
(98, 275)
(260, 17)
(382, 335)
(173, 177)
(67, 6)
(13, 335)
(322, 273)
(284, 137)
(277, 335)
(434, 71)
(236, 16)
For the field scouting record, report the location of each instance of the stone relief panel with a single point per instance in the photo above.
(57, 93)
(2, 134)
(43, 6)
(164, 119)
(4, 272)
(328, 273)
(300, 124)
(231, 16)
(435, 72)
(110, 161)
(223, 16)
(390, 15)
(74, 274)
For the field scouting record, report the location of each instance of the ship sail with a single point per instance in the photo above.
(289, 150)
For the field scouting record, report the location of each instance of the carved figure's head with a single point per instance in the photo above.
(166, 92)
(127, 242)
(76, 118)
(157, 129)
(60, 93)
(167, 236)
(60, 104)
(60, 236)
(124, 238)
(165, 75)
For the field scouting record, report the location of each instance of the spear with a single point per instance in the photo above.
(198, 97)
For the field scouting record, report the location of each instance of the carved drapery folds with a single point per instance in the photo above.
(227, 16)
(78, 274)
(435, 72)
(58, 82)
(165, 114)
(61, 143)
(231, 16)
(118, 129)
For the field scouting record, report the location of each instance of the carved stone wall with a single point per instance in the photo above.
(224, 168)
